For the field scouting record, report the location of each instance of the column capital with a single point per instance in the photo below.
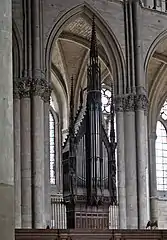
(131, 102)
(119, 103)
(22, 87)
(26, 87)
(42, 88)
(125, 103)
(141, 102)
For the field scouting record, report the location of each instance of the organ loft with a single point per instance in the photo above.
(89, 167)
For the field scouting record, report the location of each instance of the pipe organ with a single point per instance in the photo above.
(89, 171)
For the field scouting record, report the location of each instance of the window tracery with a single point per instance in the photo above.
(161, 149)
(106, 109)
(163, 112)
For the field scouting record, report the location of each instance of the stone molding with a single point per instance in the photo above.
(131, 103)
(27, 87)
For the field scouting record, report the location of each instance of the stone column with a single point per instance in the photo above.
(121, 163)
(141, 105)
(152, 174)
(47, 165)
(39, 88)
(25, 120)
(38, 176)
(147, 165)
(130, 163)
(17, 156)
(6, 123)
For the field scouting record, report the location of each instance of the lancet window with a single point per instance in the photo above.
(52, 148)
(161, 149)
(106, 108)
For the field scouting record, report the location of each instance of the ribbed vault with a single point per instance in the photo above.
(70, 58)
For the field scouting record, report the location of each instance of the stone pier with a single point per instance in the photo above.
(6, 126)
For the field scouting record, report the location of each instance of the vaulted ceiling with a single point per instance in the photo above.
(71, 53)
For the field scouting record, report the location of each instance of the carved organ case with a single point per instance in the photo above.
(89, 171)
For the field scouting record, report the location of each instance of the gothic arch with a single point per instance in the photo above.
(157, 91)
(158, 40)
(61, 98)
(106, 36)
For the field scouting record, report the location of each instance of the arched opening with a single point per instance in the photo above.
(156, 68)
(161, 149)
(67, 55)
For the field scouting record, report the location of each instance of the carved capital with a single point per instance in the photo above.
(129, 103)
(141, 102)
(16, 89)
(22, 87)
(42, 88)
(25, 87)
(119, 104)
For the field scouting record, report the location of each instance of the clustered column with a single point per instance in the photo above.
(142, 160)
(29, 167)
(40, 93)
(132, 160)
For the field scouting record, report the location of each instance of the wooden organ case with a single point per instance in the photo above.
(89, 169)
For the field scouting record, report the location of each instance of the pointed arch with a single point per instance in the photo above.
(106, 37)
(157, 87)
(157, 41)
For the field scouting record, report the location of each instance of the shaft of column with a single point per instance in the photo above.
(58, 140)
(121, 165)
(26, 192)
(47, 165)
(130, 164)
(141, 168)
(152, 174)
(38, 175)
(147, 163)
(38, 88)
(17, 160)
(6, 126)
